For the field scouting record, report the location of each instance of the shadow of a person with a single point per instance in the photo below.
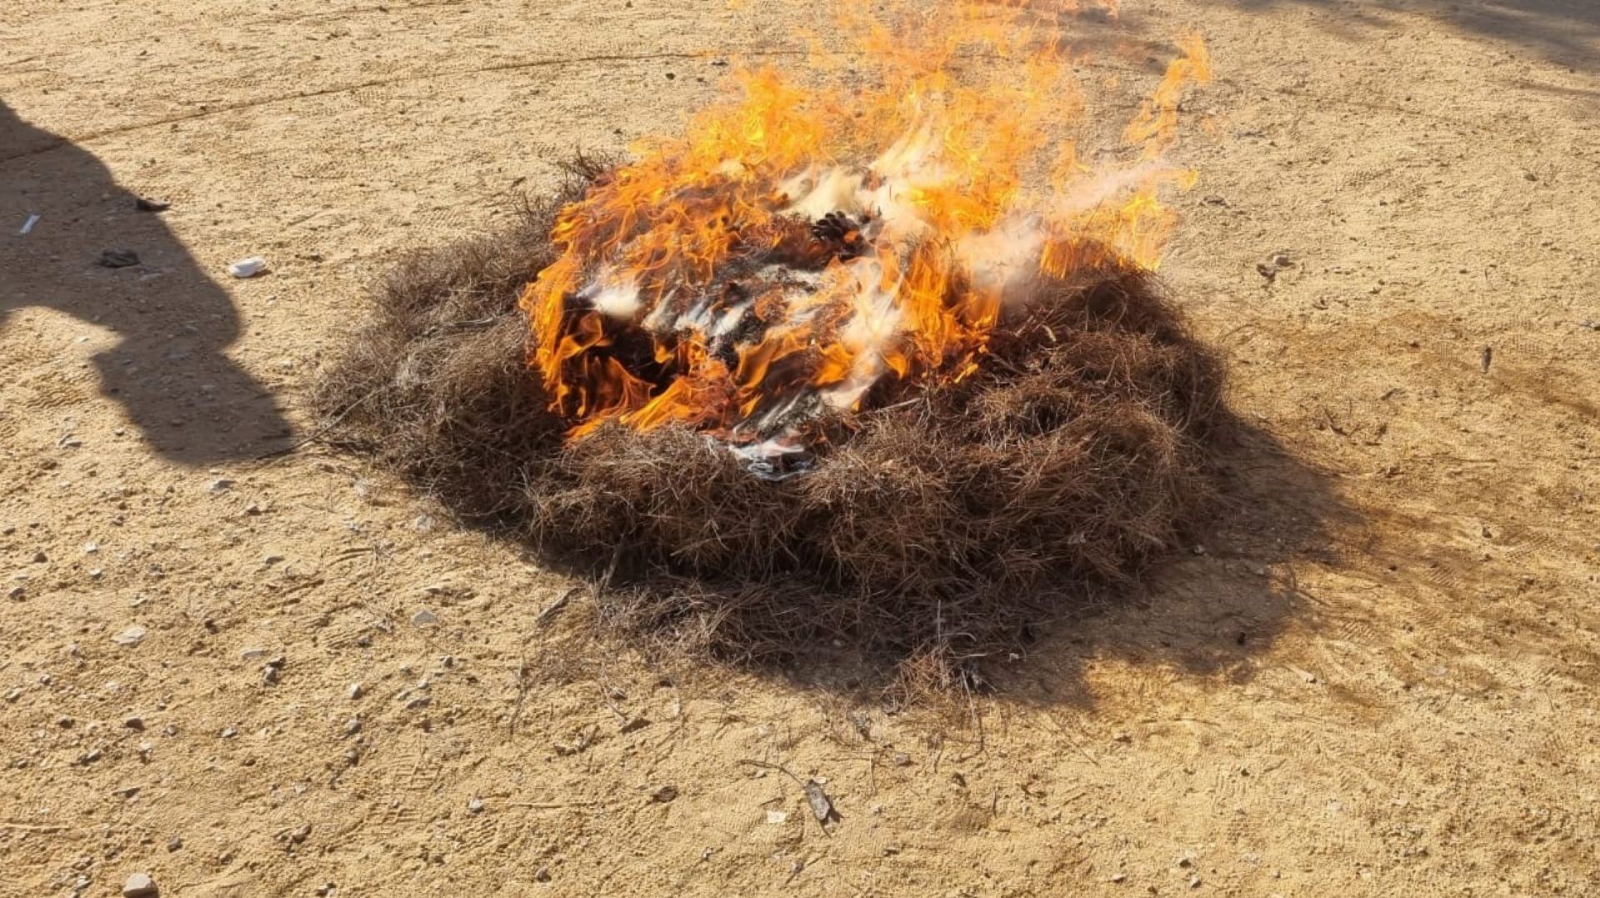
(169, 369)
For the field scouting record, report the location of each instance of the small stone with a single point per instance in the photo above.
(16, 593)
(13, 694)
(119, 258)
(229, 733)
(777, 818)
(1194, 882)
(1119, 877)
(475, 805)
(252, 509)
(140, 885)
(134, 723)
(891, 849)
(40, 558)
(664, 794)
(424, 618)
(300, 834)
(252, 653)
(91, 548)
(130, 637)
(900, 759)
(270, 675)
(542, 874)
(356, 691)
(277, 662)
(1185, 863)
(270, 560)
(91, 756)
(421, 701)
(220, 485)
(174, 843)
(352, 726)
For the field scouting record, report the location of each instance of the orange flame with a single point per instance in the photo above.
(805, 238)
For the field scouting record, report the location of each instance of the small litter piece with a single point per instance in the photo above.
(28, 225)
(119, 258)
(821, 805)
(248, 268)
(144, 205)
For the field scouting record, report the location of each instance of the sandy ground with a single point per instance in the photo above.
(1377, 675)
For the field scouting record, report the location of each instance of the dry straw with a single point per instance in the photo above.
(944, 522)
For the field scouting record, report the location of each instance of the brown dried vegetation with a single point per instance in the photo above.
(944, 521)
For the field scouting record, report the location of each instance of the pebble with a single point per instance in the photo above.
(14, 694)
(252, 653)
(119, 258)
(352, 726)
(134, 723)
(777, 818)
(229, 733)
(424, 618)
(174, 843)
(130, 637)
(140, 885)
(542, 874)
(16, 593)
(220, 485)
(40, 558)
(475, 806)
(356, 691)
(665, 794)
(270, 675)
(300, 834)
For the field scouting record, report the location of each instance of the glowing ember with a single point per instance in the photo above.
(802, 243)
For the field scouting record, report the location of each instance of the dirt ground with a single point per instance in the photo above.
(1376, 674)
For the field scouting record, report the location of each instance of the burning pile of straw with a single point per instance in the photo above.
(824, 369)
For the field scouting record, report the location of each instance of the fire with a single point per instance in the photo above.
(809, 237)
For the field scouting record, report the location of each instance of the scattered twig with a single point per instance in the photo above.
(268, 459)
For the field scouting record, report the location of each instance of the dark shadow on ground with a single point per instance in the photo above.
(173, 322)
(1566, 32)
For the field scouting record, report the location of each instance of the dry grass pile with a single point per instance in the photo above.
(943, 523)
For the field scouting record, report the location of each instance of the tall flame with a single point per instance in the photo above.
(807, 237)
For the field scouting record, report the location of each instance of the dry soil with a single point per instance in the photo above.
(1376, 674)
